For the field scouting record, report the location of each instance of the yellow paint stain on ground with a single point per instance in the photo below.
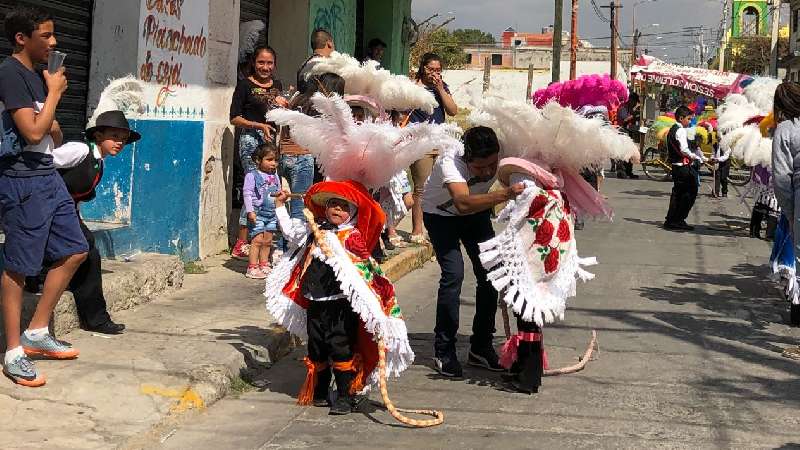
(187, 398)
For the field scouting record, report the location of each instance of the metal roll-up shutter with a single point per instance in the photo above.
(256, 10)
(73, 25)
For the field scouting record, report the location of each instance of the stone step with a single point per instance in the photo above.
(126, 284)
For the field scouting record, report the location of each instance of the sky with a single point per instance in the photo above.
(671, 16)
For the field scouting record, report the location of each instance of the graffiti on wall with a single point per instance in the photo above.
(338, 17)
(173, 55)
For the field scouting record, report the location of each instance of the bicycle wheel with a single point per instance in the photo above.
(653, 166)
(740, 174)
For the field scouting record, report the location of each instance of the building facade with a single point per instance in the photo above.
(792, 62)
(541, 58)
(171, 192)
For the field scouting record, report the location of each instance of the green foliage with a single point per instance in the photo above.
(448, 44)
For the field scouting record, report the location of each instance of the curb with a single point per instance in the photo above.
(209, 383)
(407, 261)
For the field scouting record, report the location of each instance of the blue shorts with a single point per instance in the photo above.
(40, 222)
(264, 222)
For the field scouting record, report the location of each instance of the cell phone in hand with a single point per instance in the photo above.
(55, 61)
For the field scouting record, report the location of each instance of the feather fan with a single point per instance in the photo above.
(370, 153)
(124, 94)
(393, 92)
(249, 32)
(554, 134)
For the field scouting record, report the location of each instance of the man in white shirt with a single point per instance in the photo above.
(457, 208)
(684, 190)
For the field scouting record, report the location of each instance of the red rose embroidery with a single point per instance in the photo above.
(551, 261)
(545, 233)
(563, 231)
(537, 206)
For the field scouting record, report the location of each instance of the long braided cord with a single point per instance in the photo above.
(580, 365)
(322, 243)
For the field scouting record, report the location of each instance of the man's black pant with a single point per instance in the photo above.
(447, 234)
(87, 286)
(684, 193)
(721, 177)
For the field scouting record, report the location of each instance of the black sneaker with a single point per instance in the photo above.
(685, 226)
(485, 358)
(448, 366)
(109, 327)
(341, 406)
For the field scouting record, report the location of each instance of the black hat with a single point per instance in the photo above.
(113, 119)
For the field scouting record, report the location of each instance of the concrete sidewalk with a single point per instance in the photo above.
(179, 353)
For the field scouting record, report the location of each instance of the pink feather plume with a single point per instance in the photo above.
(595, 90)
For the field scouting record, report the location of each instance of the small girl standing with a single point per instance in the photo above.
(259, 186)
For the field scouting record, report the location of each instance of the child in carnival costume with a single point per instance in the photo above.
(327, 289)
(534, 261)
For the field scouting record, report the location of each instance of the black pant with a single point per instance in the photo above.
(684, 193)
(721, 177)
(87, 286)
(332, 329)
(447, 235)
(529, 367)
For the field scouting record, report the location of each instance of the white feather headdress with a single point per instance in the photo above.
(370, 153)
(393, 92)
(555, 134)
(249, 33)
(124, 94)
(746, 141)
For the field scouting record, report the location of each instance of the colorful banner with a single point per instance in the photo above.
(711, 83)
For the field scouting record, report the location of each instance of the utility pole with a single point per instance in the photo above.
(573, 49)
(636, 35)
(614, 6)
(557, 28)
(776, 25)
(487, 73)
(724, 42)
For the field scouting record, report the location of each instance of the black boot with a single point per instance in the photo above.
(794, 315)
(322, 388)
(530, 360)
(772, 225)
(343, 403)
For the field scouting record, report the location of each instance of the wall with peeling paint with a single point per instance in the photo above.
(170, 192)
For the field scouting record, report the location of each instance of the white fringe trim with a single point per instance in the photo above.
(363, 300)
(540, 301)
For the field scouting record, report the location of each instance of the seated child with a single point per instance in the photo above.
(259, 187)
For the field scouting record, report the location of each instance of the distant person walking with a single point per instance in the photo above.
(681, 156)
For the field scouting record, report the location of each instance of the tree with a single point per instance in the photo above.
(449, 45)
(750, 55)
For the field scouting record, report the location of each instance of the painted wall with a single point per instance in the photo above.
(467, 85)
(285, 19)
(218, 152)
(338, 17)
(164, 187)
(171, 189)
(115, 30)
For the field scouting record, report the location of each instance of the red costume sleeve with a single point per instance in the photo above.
(355, 244)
